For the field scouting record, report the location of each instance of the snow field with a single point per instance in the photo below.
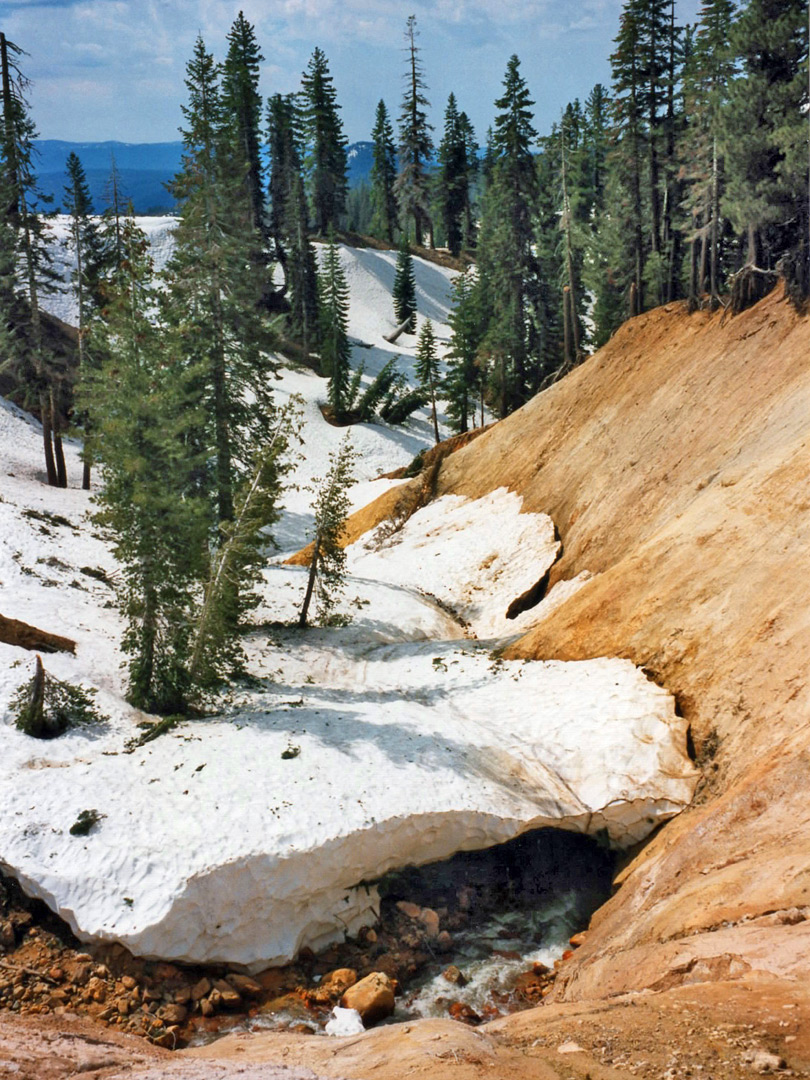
(396, 740)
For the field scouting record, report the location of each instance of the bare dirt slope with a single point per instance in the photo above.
(676, 466)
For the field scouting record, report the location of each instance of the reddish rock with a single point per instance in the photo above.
(413, 911)
(173, 1014)
(578, 939)
(244, 985)
(459, 1011)
(200, 989)
(230, 997)
(430, 920)
(333, 985)
(453, 975)
(372, 997)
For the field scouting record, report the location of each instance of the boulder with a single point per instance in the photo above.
(372, 997)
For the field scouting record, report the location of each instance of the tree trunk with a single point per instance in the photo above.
(47, 440)
(713, 283)
(567, 336)
(24, 636)
(313, 573)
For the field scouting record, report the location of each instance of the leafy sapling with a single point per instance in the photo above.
(327, 571)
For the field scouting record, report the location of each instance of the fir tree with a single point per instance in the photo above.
(301, 271)
(327, 570)
(141, 411)
(452, 181)
(415, 143)
(285, 168)
(463, 382)
(86, 278)
(323, 135)
(764, 132)
(112, 221)
(507, 256)
(336, 351)
(25, 262)
(427, 370)
(404, 293)
(242, 103)
(384, 221)
(470, 176)
(212, 300)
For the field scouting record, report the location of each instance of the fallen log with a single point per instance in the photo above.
(25, 636)
(392, 337)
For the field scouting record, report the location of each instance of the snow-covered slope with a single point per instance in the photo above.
(395, 740)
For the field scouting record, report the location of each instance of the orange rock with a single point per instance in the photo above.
(372, 997)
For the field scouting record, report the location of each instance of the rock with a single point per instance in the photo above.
(290, 1004)
(444, 942)
(200, 989)
(168, 1039)
(413, 911)
(430, 920)
(183, 995)
(7, 936)
(128, 982)
(334, 985)
(762, 1061)
(462, 1012)
(173, 1014)
(244, 985)
(207, 1007)
(570, 1048)
(578, 939)
(453, 975)
(230, 997)
(372, 997)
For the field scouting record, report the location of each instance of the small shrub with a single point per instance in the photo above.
(45, 707)
(85, 822)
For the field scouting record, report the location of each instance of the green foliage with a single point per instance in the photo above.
(336, 351)
(45, 707)
(415, 142)
(84, 823)
(322, 131)
(301, 271)
(242, 104)
(427, 369)
(327, 570)
(453, 178)
(283, 145)
(385, 215)
(235, 568)
(404, 293)
(463, 383)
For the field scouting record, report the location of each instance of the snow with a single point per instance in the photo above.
(345, 1022)
(396, 740)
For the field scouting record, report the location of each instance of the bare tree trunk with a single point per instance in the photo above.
(313, 573)
(567, 336)
(713, 284)
(47, 440)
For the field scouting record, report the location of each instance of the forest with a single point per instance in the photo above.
(684, 180)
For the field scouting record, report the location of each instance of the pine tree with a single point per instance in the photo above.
(327, 570)
(506, 247)
(86, 277)
(212, 299)
(764, 134)
(301, 271)
(242, 103)
(404, 293)
(322, 129)
(415, 143)
(336, 352)
(285, 168)
(453, 181)
(463, 383)
(470, 175)
(383, 177)
(427, 370)
(112, 221)
(25, 262)
(141, 410)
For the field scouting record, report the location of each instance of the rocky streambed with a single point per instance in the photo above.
(473, 938)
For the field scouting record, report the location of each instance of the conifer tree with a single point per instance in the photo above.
(336, 351)
(242, 103)
(404, 293)
(507, 256)
(463, 382)
(141, 408)
(327, 570)
(86, 277)
(415, 143)
(212, 299)
(26, 262)
(322, 128)
(764, 134)
(301, 271)
(384, 221)
(112, 221)
(470, 175)
(285, 169)
(427, 370)
(452, 181)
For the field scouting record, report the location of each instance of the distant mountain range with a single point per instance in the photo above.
(144, 169)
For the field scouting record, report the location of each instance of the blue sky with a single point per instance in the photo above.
(113, 69)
